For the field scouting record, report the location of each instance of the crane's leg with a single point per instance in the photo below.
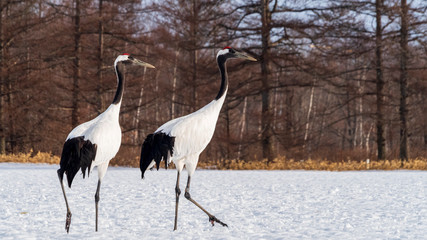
(177, 193)
(68, 217)
(212, 218)
(96, 204)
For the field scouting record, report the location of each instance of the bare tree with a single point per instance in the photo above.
(2, 83)
(379, 5)
(266, 122)
(76, 65)
(404, 55)
(101, 103)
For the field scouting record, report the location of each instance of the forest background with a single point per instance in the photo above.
(336, 80)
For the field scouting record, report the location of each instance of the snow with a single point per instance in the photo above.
(254, 204)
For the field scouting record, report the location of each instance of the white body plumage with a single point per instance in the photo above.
(192, 134)
(105, 132)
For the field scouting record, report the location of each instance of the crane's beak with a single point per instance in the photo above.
(141, 63)
(244, 56)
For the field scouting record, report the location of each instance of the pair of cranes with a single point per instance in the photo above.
(181, 140)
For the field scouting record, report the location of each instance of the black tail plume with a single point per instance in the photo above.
(76, 154)
(156, 147)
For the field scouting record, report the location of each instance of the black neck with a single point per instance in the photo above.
(224, 79)
(120, 82)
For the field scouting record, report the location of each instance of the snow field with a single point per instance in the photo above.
(255, 204)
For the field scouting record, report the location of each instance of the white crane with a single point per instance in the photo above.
(181, 140)
(96, 142)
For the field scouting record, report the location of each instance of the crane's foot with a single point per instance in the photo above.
(213, 219)
(68, 222)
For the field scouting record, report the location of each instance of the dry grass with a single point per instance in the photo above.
(280, 163)
(39, 157)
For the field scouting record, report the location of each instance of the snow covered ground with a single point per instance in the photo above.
(255, 204)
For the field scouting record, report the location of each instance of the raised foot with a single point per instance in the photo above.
(213, 219)
(68, 222)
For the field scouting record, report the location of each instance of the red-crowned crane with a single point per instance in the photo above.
(96, 142)
(181, 140)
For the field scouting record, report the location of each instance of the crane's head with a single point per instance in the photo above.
(229, 52)
(126, 58)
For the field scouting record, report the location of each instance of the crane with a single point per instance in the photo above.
(96, 142)
(181, 140)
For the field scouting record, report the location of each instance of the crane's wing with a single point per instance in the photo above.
(81, 129)
(157, 146)
(168, 126)
(77, 153)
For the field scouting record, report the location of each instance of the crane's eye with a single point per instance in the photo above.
(130, 58)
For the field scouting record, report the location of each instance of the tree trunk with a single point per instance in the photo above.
(2, 76)
(100, 90)
(349, 126)
(137, 115)
(307, 124)
(156, 90)
(194, 30)
(10, 117)
(76, 66)
(403, 111)
(138, 130)
(379, 82)
(277, 107)
(227, 129)
(174, 84)
(360, 120)
(266, 117)
(368, 135)
(242, 127)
